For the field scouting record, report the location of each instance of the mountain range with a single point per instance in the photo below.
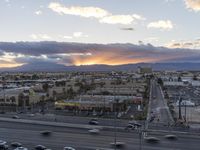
(53, 67)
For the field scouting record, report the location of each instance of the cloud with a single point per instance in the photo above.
(117, 19)
(102, 15)
(151, 39)
(67, 37)
(127, 29)
(193, 5)
(85, 54)
(161, 24)
(194, 44)
(79, 34)
(75, 35)
(38, 12)
(40, 36)
(87, 12)
(138, 17)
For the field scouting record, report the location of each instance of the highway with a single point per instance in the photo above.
(67, 119)
(29, 135)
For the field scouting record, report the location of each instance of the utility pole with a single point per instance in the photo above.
(140, 137)
(4, 94)
(179, 105)
(185, 112)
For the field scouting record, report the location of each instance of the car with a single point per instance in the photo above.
(40, 147)
(3, 145)
(118, 144)
(15, 117)
(16, 144)
(68, 148)
(93, 122)
(46, 133)
(2, 142)
(135, 124)
(130, 127)
(151, 139)
(171, 137)
(94, 131)
(31, 115)
(21, 148)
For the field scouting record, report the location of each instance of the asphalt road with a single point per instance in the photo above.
(68, 119)
(158, 106)
(29, 136)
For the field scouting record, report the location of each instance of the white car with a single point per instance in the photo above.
(94, 131)
(21, 148)
(69, 148)
(151, 139)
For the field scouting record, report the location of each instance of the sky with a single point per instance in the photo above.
(172, 24)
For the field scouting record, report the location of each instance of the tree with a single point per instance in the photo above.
(70, 93)
(179, 79)
(45, 87)
(195, 77)
(35, 77)
(54, 95)
(160, 81)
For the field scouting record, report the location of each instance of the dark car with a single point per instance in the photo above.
(171, 137)
(15, 117)
(118, 144)
(40, 147)
(93, 122)
(130, 127)
(16, 144)
(3, 145)
(46, 133)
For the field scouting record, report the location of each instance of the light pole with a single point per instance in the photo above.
(140, 138)
(115, 113)
(179, 105)
(4, 94)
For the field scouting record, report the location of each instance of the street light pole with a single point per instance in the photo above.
(115, 113)
(140, 137)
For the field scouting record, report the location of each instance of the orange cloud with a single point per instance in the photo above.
(109, 58)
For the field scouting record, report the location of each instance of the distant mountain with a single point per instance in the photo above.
(53, 67)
